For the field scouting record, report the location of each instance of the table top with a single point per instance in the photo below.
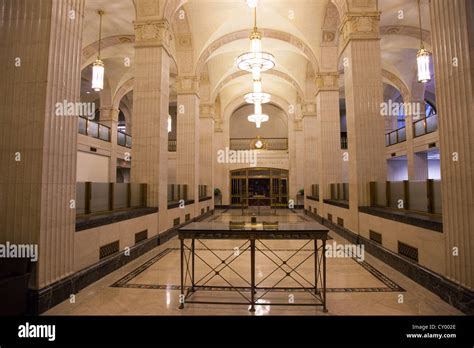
(284, 230)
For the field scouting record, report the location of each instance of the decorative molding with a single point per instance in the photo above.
(187, 85)
(360, 26)
(403, 30)
(207, 110)
(328, 81)
(153, 33)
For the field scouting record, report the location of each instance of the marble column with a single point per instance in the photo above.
(364, 95)
(187, 154)
(311, 173)
(453, 37)
(109, 118)
(329, 155)
(206, 158)
(150, 113)
(417, 162)
(41, 57)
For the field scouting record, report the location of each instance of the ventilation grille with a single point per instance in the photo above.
(330, 217)
(187, 217)
(109, 249)
(141, 236)
(408, 251)
(340, 222)
(375, 236)
(176, 222)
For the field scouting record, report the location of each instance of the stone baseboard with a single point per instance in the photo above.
(450, 292)
(44, 299)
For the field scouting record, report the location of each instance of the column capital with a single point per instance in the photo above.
(308, 109)
(187, 85)
(153, 33)
(207, 110)
(109, 113)
(360, 26)
(327, 81)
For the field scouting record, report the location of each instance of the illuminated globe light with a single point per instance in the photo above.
(98, 71)
(258, 119)
(252, 3)
(423, 59)
(257, 98)
(256, 61)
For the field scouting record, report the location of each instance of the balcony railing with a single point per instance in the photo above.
(94, 129)
(269, 144)
(418, 196)
(94, 198)
(425, 126)
(396, 137)
(124, 139)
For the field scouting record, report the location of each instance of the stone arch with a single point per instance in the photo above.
(398, 83)
(306, 51)
(122, 92)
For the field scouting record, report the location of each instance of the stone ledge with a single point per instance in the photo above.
(87, 222)
(404, 217)
(340, 204)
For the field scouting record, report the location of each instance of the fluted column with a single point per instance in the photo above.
(329, 133)
(453, 37)
(109, 118)
(150, 113)
(363, 88)
(417, 163)
(311, 173)
(187, 154)
(206, 160)
(41, 56)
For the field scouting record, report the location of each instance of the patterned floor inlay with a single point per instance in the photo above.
(126, 281)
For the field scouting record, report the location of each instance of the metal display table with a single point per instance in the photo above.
(253, 293)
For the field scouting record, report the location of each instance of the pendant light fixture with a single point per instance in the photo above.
(170, 124)
(256, 61)
(423, 57)
(98, 69)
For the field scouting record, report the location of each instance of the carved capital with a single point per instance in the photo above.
(360, 26)
(327, 81)
(207, 111)
(153, 33)
(309, 109)
(187, 85)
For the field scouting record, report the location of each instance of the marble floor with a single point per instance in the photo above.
(149, 285)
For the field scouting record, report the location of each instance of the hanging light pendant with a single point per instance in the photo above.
(423, 57)
(170, 124)
(258, 117)
(256, 61)
(98, 69)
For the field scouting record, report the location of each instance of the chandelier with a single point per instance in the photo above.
(256, 61)
(98, 69)
(423, 57)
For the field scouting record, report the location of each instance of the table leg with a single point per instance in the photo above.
(316, 266)
(193, 251)
(252, 274)
(181, 298)
(325, 309)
